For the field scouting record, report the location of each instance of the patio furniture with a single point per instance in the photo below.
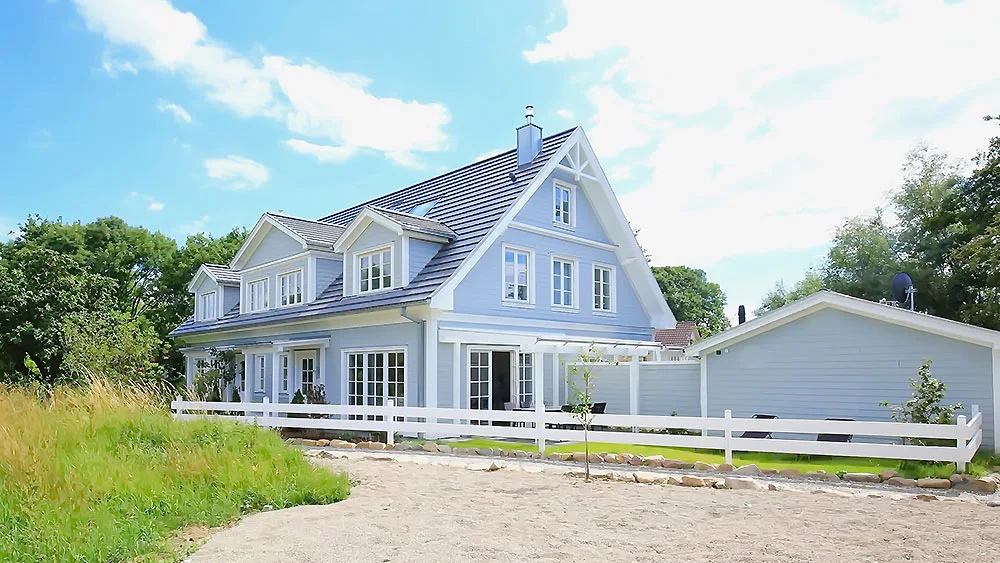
(760, 434)
(836, 437)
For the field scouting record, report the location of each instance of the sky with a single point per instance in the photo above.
(736, 135)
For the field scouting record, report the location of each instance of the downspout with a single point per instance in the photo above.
(423, 336)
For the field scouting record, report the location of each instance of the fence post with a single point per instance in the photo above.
(729, 436)
(540, 430)
(177, 408)
(961, 443)
(265, 411)
(390, 436)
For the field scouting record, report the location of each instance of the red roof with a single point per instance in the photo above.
(685, 333)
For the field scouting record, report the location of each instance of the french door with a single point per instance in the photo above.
(500, 377)
(305, 371)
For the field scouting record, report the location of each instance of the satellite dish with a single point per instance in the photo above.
(902, 288)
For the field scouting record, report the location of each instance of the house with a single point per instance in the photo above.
(829, 355)
(472, 289)
(675, 340)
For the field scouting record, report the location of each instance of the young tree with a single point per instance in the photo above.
(926, 405)
(582, 395)
(778, 296)
(693, 298)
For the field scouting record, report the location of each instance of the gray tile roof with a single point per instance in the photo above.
(222, 273)
(470, 200)
(415, 222)
(316, 233)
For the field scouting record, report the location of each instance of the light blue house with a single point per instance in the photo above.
(472, 289)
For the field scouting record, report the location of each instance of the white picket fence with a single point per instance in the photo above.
(716, 433)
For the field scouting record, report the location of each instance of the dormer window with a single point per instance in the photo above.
(290, 288)
(257, 293)
(375, 270)
(565, 207)
(205, 309)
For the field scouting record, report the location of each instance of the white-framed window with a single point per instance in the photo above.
(258, 296)
(375, 270)
(517, 275)
(308, 373)
(206, 305)
(201, 366)
(563, 282)
(479, 380)
(604, 288)
(564, 205)
(259, 364)
(290, 288)
(376, 376)
(525, 380)
(283, 362)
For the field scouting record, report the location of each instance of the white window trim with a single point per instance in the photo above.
(285, 368)
(515, 373)
(575, 289)
(344, 352)
(356, 263)
(530, 303)
(266, 293)
(277, 287)
(200, 314)
(260, 366)
(571, 188)
(614, 289)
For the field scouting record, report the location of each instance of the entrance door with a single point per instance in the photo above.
(305, 371)
(502, 383)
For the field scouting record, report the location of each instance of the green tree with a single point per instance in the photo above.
(693, 298)
(862, 260)
(926, 406)
(581, 395)
(108, 343)
(779, 296)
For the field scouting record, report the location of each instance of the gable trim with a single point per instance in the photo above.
(831, 300)
(257, 234)
(204, 271)
(360, 223)
(568, 237)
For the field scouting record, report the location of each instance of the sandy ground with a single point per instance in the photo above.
(399, 512)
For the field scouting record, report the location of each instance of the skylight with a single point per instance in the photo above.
(423, 208)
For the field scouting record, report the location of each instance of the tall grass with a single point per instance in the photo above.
(103, 473)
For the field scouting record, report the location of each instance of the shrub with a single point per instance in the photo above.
(926, 405)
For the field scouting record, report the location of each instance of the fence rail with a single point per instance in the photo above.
(715, 433)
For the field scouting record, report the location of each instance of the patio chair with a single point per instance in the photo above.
(760, 434)
(598, 408)
(836, 437)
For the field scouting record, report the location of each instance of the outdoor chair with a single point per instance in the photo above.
(836, 437)
(760, 434)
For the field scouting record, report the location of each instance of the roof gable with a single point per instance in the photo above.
(219, 273)
(396, 222)
(828, 299)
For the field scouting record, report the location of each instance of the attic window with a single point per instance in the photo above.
(423, 208)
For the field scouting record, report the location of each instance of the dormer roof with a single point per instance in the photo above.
(397, 222)
(219, 273)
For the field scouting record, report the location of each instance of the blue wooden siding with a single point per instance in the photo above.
(668, 388)
(272, 273)
(273, 246)
(540, 209)
(373, 236)
(421, 252)
(837, 364)
(326, 272)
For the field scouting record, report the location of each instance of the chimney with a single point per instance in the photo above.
(742, 314)
(529, 138)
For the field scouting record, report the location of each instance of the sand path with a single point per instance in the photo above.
(400, 512)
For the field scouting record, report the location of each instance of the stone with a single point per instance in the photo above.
(925, 497)
(444, 449)
(596, 458)
(322, 443)
(484, 451)
(559, 456)
(931, 483)
(350, 446)
(978, 486)
(309, 443)
(689, 481)
(493, 467)
(769, 471)
(612, 458)
(862, 478)
(750, 469)
(702, 466)
(648, 478)
(579, 457)
(993, 504)
(675, 464)
(790, 472)
(623, 477)
(671, 480)
(725, 467)
(520, 453)
(959, 477)
(901, 482)
(390, 446)
(636, 460)
(742, 483)
(772, 487)
(430, 447)
(822, 475)
(654, 461)
(887, 474)
(376, 446)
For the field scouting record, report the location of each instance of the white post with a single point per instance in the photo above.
(961, 444)
(431, 364)
(322, 369)
(275, 376)
(704, 389)
(538, 392)
(633, 385)
(729, 436)
(456, 374)
(390, 434)
(247, 370)
(265, 410)
(555, 378)
(177, 410)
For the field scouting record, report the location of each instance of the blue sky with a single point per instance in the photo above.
(736, 144)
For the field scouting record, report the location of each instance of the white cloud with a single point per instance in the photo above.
(404, 158)
(179, 113)
(322, 153)
(238, 172)
(311, 100)
(154, 206)
(488, 154)
(796, 116)
(8, 229)
(195, 226)
(113, 67)
(565, 113)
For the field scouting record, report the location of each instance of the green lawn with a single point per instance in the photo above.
(106, 475)
(981, 465)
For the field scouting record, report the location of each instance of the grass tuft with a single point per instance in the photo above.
(104, 473)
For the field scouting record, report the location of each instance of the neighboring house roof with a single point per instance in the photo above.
(315, 233)
(831, 300)
(469, 201)
(219, 273)
(684, 334)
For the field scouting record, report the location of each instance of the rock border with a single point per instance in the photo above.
(986, 485)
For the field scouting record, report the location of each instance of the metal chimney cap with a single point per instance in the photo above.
(529, 113)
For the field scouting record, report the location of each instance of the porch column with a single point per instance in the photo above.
(456, 368)
(633, 384)
(555, 377)
(430, 364)
(247, 371)
(704, 388)
(275, 376)
(538, 392)
(322, 369)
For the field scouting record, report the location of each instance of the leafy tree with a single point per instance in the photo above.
(862, 260)
(779, 296)
(582, 396)
(109, 344)
(693, 298)
(926, 404)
